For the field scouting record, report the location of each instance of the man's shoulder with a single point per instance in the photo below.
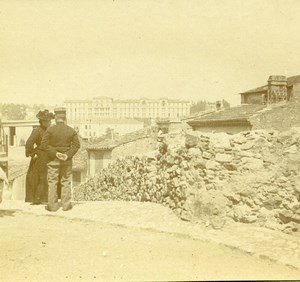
(61, 127)
(67, 128)
(71, 129)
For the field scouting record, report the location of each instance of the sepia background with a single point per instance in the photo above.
(56, 50)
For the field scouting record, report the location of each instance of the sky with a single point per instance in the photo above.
(54, 50)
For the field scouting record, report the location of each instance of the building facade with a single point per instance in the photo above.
(97, 127)
(106, 107)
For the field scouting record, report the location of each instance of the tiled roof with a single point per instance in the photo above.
(290, 81)
(109, 144)
(258, 89)
(241, 112)
(198, 114)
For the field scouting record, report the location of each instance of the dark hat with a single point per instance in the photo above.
(45, 115)
(60, 112)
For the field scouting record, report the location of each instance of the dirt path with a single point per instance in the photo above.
(45, 248)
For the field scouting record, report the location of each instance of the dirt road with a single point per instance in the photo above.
(46, 248)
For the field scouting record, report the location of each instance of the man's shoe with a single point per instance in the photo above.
(67, 208)
(50, 210)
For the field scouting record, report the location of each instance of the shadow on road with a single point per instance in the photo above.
(7, 213)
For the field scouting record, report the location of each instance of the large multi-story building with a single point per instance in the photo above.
(96, 128)
(106, 107)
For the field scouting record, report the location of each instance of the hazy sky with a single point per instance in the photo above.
(53, 50)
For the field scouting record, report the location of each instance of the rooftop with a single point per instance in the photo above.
(241, 112)
(290, 81)
(109, 144)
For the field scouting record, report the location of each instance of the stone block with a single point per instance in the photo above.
(186, 215)
(223, 158)
(206, 155)
(252, 163)
(296, 218)
(291, 150)
(249, 219)
(191, 141)
(230, 166)
(285, 216)
(194, 152)
(273, 202)
(212, 165)
(240, 211)
(234, 198)
(220, 140)
(247, 146)
(239, 139)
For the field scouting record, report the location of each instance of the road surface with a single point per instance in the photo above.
(47, 248)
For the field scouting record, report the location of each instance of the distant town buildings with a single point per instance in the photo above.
(106, 107)
(98, 127)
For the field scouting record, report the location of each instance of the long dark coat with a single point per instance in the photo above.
(36, 178)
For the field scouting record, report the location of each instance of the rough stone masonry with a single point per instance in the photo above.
(251, 177)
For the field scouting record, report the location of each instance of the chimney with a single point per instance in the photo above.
(277, 88)
(218, 105)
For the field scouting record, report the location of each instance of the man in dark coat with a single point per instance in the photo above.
(36, 178)
(61, 144)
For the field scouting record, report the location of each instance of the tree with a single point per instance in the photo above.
(13, 111)
(38, 107)
(198, 106)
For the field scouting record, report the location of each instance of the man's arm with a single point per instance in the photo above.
(75, 145)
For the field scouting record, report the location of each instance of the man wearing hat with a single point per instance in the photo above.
(61, 144)
(36, 178)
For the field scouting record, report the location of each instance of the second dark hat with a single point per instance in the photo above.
(45, 115)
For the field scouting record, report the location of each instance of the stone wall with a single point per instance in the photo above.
(250, 177)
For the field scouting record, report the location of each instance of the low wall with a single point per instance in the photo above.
(250, 177)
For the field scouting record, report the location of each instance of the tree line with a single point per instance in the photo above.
(12, 111)
(203, 105)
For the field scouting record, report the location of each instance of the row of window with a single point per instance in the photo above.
(93, 105)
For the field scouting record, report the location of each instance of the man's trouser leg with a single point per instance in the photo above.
(53, 175)
(66, 175)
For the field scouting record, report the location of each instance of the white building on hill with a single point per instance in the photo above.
(106, 107)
